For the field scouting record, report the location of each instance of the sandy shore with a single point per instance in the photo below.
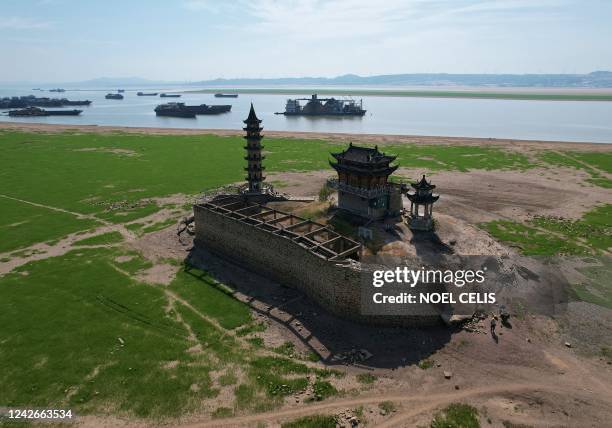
(365, 138)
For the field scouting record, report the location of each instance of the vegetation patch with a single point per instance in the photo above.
(227, 378)
(315, 421)
(22, 224)
(457, 415)
(251, 328)
(366, 378)
(159, 226)
(94, 339)
(549, 236)
(598, 287)
(387, 407)
(595, 164)
(210, 297)
(287, 349)
(322, 389)
(313, 356)
(425, 364)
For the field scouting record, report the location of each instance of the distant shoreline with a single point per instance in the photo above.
(543, 94)
(344, 137)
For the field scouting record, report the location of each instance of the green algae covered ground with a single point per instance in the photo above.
(83, 330)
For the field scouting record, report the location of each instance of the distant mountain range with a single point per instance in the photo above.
(596, 79)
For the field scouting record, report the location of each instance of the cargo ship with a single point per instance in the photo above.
(316, 106)
(146, 94)
(114, 97)
(32, 101)
(226, 95)
(75, 103)
(170, 96)
(57, 90)
(182, 110)
(174, 110)
(206, 109)
(35, 111)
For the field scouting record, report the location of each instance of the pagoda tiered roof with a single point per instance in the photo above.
(363, 161)
(363, 155)
(423, 192)
(423, 184)
(252, 117)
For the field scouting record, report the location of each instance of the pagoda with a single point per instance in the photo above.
(421, 205)
(363, 186)
(254, 157)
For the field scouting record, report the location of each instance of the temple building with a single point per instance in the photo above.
(254, 157)
(421, 205)
(363, 186)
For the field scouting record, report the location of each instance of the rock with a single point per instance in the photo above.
(354, 421)
(453, 319)
(567, 344)
(456, 386)
(447, 374)
(528, 340)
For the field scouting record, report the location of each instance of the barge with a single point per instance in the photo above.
(35, 111)
(316, 106)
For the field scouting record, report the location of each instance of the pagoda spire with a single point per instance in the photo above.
(253, 148)
(252, 116)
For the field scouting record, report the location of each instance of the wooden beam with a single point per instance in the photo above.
(312, 232)
(330, 241)
(301, 223)
(279, 219)
(345, 253)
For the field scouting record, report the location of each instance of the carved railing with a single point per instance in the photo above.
(364, 193)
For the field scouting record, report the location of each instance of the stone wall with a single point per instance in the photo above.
(335, 286)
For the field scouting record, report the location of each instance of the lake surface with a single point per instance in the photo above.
(459, 117)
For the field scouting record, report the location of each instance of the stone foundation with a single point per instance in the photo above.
(334, 284)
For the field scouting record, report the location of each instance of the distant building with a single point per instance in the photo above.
(363, 186)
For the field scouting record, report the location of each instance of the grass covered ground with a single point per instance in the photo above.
(548, 236)
(116, 177)
(83, 331)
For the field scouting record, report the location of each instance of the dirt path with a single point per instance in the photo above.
(80, 216)
(418, 403)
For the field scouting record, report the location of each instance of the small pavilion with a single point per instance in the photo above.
(421, 205)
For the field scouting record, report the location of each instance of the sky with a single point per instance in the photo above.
(190, 40)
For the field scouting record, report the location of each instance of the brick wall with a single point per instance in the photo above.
(335, 286)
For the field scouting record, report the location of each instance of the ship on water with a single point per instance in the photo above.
(174, 110)
(146, 94)
(114, 97)
(219, 95)
(32, 101)
(164, 95)
(182, 110)
(35, 111)
(316, 106)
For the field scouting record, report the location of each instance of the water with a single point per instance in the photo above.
(529, 120)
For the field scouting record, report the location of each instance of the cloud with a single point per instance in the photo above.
(342, 19)
(18, 23)
(207, 5)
